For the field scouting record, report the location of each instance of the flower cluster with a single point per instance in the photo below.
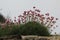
(44, 19)
(35, 15)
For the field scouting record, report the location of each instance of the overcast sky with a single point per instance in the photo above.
(14, 8)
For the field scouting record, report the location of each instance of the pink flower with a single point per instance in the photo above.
(19, 21)
(24, 13)
(47, 14)
(23, 16)
(56, 18)
(53, 21)
(52, 18)
(36, 15)
(32, 12)
(39, 15)
(27, 12)
(34, 7)
(47, 21)
(51, 25)
(8, 21)
(37, 10)
(48, 18)
(43, 17)
(29, 16)
(14, 20)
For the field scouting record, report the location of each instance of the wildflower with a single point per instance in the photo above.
(34, 7)
(47, 21)
(37, 10)
(52, 18)
(20, 16)
(48, 18)
(14, 20)
(28, 12)
(24, 13)
(56, 18)
(51, 25)
(23, 16)
(47, 14)
(19, 21)
(43, 17)
(39, 15)
(53, 21)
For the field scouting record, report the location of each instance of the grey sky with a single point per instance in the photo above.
(14, 8)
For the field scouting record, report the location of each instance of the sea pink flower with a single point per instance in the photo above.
(34, 7)
(51, 25)
(14, 20)
(52, 17)
(24, 13)
(47, 14)
(28, 12)
(37, 10)
(38, 14)
(53, 21)
(23, 16)
(56, 18)
(19, 21)
(48, 18)
(43, 17)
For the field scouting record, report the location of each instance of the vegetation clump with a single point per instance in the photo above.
(34, 28)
